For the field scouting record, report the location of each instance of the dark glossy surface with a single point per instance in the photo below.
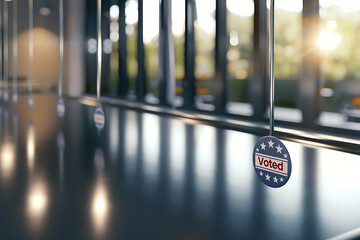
(151, 177)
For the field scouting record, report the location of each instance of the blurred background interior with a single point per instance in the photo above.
(206, 56)
(170, 68)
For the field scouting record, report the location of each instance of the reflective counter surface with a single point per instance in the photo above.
(151, 177)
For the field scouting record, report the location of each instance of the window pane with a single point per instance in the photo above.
(114, 53)
(205, 51)
(178, 30)
(151, 45)
(240, 30)
(131, 20)
(288, 40)
(340, 62)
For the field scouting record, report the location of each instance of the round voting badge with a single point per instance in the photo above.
(272, 162)
(15, 98)
(31, 101)
(60, 107)
(99, 118)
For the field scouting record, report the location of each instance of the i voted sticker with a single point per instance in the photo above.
(15, 98)
(60, 107)
(99, 118)
(272, 162)
(31, 101)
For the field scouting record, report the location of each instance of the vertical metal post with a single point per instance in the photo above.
(15, 48)
(31, 44)
(1, 47)
(99, 51)
(6, 50)
(61, 48)
(221, 47)
(124, 82)
(166, 55)
(141, 83)
(309, 81)
(259, 83)
(272, 79)
(189, 80)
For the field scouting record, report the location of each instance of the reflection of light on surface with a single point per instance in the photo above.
(131, 134)
(205, 19)
(177, 151)
(114, 12)
(99, 160)
(151, 144)
(131, 12)
(7, 160)
(331, 25)
(151, 20)
(114, 132)
(204, 168)
(30, 146)
(345, 5)
(328, 40)
(338, 189)
(37, 202)
(239, 173)
(178, 17)
(244, 8)
(99, 208)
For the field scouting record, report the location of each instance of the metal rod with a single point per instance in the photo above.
(6, 49)
(99, 51)
(271, 53)
(61, 49)
(31, 44)
(15, 49)
(1, 49)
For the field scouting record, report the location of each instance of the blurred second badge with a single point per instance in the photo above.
(99, 118)
(272, 162)
(60, 107)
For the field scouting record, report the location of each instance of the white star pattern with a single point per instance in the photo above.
(279, 149)
(263, 146)
(267, 177)
(261, 173)
(281, 179)
(271, 143)
(275, 179)
(285, 155)
(257, 149)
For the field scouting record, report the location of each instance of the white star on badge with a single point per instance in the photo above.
(263, 146)
(257, 149)
(275, 180)
(281, 179)
(285, 155)
(261, 173)
(271, 143)
(279, 149)
(267, 177)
